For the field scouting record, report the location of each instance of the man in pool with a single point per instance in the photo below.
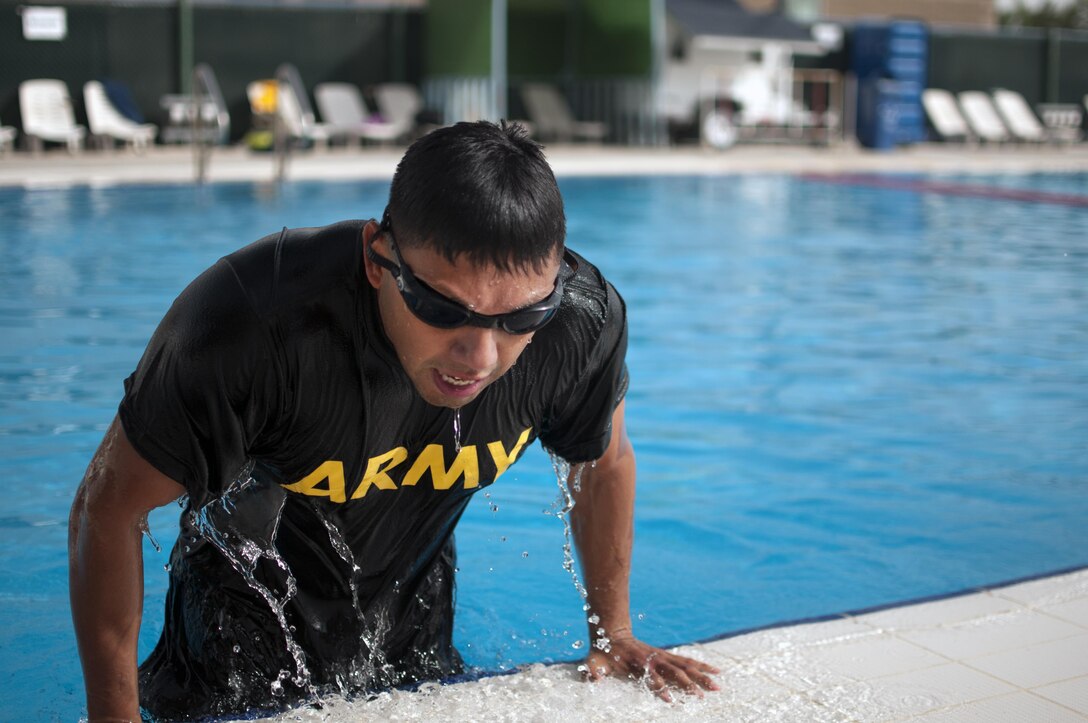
(324, 402)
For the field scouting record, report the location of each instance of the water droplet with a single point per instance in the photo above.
(457, 429)
(166, 567)
(237, 648)
(642, 616)
(147, 533)
(525, 553)
(594, 619)
(577, 645)
(502, 539)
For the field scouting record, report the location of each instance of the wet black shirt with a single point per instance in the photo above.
(316, 544)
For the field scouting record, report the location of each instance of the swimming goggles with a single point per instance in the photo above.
(438, 310)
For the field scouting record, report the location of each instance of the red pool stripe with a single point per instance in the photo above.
(947, 188)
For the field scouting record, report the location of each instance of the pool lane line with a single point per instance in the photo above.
(948, 188)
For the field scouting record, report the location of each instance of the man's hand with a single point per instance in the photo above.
(662, 671)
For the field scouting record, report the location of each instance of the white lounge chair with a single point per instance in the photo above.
(345, 113)
(7, 139)
(108, 124)
(47, 113)
(551, 117)
(944, 115)
(982, 117)
(294, 109)
(1062, 121)
(1018, 116)
(399, 104)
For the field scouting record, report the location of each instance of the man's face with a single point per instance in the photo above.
(451, 367)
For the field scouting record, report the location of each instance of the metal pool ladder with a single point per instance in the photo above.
(210, 118)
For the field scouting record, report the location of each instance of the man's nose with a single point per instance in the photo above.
(477, 348)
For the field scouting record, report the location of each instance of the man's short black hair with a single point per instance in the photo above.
(480, 191)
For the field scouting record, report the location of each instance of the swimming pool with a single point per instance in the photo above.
(844, 395)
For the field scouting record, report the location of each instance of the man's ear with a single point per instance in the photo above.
(373, 271)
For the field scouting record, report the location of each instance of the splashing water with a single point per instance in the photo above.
(569, 479)
(243, 552)
(145, 530)
(244, 549)
(457, 429)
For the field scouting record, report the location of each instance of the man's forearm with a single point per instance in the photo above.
(106, 587)
(602, 521)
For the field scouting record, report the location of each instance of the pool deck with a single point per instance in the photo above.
(175, 164)
(1013, 653)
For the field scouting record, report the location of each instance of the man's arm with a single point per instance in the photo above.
(105, 570)
(603, 524)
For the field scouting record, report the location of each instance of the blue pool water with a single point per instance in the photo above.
(842, 396)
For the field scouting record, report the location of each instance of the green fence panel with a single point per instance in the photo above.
(538, 38)
(458, 38)
(614, 38)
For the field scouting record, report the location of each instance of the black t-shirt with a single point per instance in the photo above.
(316, 544)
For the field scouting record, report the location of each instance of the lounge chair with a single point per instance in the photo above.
(201, 116)
(345, 113)
(944, 115)
(1018, 116)
(7, 139)
(1062, 121)
(400, 104)
(294, 109)
(551, 117)
(982, 117)
(107, 124)
(47, 113)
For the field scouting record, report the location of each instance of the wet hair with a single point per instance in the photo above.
(480, 191)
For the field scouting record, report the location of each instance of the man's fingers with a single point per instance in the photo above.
(677, 677)
(658, 685)
(661, 672)
(706, 667)
(705, 681)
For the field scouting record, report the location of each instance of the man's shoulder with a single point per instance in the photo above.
(590, 300)
(298, 265)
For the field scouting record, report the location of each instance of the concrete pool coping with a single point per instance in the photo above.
(174, 164)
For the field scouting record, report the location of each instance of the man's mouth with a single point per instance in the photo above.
(452, 385)
(457, 381)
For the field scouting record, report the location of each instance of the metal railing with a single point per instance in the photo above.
(207, 104)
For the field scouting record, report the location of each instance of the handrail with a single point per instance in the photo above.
(281, 140)
(294, 117)
(207, 96)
